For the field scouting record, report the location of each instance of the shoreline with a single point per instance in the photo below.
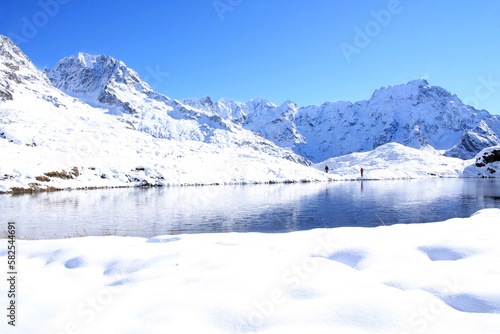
(37, 188)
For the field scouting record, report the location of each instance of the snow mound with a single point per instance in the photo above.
(487, 164)
(394, 161)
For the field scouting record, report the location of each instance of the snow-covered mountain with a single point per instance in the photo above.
(113, 129)
(475, 140)
(105, 82)
(261, 116)
(50, 140)
(415, 114)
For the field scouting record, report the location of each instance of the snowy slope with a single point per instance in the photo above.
(394, 161)
(43, 130)
(421, 278)
(474, 140)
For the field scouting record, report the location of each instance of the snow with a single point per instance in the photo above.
(115, 131)
(39, 138)
(433, 278)
(420, 278)
(43, 130)
(394, 161)
(415, 114)
(487, 163)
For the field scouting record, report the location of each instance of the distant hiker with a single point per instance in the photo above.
(361, 172)
(326, 169)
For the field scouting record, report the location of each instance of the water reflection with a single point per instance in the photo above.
(251, 208)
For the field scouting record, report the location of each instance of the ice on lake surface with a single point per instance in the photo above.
(249, 208)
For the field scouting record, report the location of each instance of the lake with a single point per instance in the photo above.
(147, 212)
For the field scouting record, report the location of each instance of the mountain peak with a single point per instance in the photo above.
(93, 73)
(261, 103)
(408, 91)
(90, 61)
(418, 83)
(102, 81)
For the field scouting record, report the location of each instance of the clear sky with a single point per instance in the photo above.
(309, 51)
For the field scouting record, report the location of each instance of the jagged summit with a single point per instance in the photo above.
(414, 90)
(89, 73)
(90, 60)
(102, 81)
(409, 89)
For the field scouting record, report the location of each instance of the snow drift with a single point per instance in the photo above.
(433, 278)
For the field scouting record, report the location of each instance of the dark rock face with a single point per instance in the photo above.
(5, 95)
(488, 157)
(492, 156)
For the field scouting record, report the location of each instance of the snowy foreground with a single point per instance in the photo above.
(422, 278)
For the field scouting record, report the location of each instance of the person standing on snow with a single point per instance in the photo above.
(361, 171)
(326, 169)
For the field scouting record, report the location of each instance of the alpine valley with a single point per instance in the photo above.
(90, 121)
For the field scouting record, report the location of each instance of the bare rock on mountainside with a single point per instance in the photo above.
(487, 164)
(474, 140)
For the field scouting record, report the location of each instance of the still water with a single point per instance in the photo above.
(248, 208)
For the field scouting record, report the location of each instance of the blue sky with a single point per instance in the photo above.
(307, 51)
